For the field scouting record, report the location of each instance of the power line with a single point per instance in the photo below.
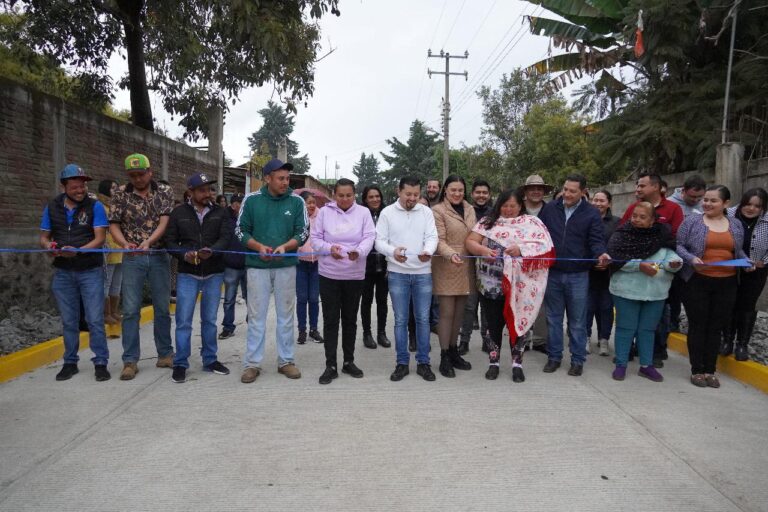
(482, 23)
(421, 84)
(455, 20)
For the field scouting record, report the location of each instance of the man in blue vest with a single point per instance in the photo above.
(72, 220)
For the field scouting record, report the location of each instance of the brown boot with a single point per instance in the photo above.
(249, 375)
(165, 362)
(290, 371)
(129, 371)
(114, 308)
(108, 318)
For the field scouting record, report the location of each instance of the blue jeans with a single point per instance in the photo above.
(636, 319)
(68, 287)
(262, 283)
(137, 269)
(187, 288)
(567, 293)
(307, 294)
(403, 288)
(600, 307)
(232, 278)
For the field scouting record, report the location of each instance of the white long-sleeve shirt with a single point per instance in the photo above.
(413, 229)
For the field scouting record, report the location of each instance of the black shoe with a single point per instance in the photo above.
(101, 373)
(368, 340)
(541, 347)
(328, 375)
(179, 374)
(412, 343)
(576, 370)
(517, 374)
(433, 329)
(446, 367)
(425, 371)
(315, 335)
(741, 353)
(302, 339)
(353, 371)
(401, 370)
(382, 339)
(67, 371)
(217, 368)
(658, 362)
(551, 366)
(492, 373)
(456, 360)
(463, 348)
(226, 333)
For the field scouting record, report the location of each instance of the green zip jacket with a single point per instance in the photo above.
(272, 221)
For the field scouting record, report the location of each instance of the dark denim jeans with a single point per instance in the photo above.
(137, 269)
(567, 293)
(307, 294)
(600, 308)
(403, 288)
(187, 288)
(233, 278)
(68, 287)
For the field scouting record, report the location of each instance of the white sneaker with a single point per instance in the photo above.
(604, 347)
(589, 350)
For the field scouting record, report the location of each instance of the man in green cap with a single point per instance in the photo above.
(138, 220)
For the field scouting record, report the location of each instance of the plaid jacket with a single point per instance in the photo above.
(692, 241)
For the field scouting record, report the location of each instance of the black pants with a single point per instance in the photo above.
(341, 300)
(375, 284)
(675, 300)
(708, 303)
(751, 285)
(494, 310)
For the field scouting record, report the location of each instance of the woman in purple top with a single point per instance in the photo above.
(345, 231)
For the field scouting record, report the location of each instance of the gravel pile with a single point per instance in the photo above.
(758, 345)
(23, 329)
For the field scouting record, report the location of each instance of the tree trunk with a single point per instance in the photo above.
(141, 109)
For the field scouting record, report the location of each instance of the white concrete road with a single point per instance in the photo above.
(552, 443)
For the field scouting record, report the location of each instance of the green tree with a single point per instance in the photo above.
(202, 53)
(416, 157)
(367, 172)
(277, 127)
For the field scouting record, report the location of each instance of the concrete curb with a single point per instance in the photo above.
(29, 359)
(748, 372)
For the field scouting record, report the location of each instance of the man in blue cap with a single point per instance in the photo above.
(196, 230)
(73, 220)
(272, 222)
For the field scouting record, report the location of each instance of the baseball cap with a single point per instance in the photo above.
(199, 179)
(275, 165)
(73, 171)
(136, 162)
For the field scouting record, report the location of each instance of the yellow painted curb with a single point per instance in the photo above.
(23, 361)
(749, 372)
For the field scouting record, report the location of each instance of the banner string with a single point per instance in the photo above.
(741, 262)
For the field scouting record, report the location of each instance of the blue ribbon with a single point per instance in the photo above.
(741, 262)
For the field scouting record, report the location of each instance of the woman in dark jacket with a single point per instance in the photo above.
(751, 211)
(710, 290)
(600, 305)
(375, 278)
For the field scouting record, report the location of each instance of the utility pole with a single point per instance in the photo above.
(446, 100)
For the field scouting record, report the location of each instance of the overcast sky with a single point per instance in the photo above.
(375, 83)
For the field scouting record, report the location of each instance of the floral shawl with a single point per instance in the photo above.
(525, 279)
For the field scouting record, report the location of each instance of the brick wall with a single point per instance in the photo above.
(39, 134)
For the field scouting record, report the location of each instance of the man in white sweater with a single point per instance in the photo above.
(407, 236)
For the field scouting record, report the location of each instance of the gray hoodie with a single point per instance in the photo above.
(677, 198)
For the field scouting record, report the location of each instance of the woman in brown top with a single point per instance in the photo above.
(452, 275)
(710, 291)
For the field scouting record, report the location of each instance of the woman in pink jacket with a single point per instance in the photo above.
(345, 231)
